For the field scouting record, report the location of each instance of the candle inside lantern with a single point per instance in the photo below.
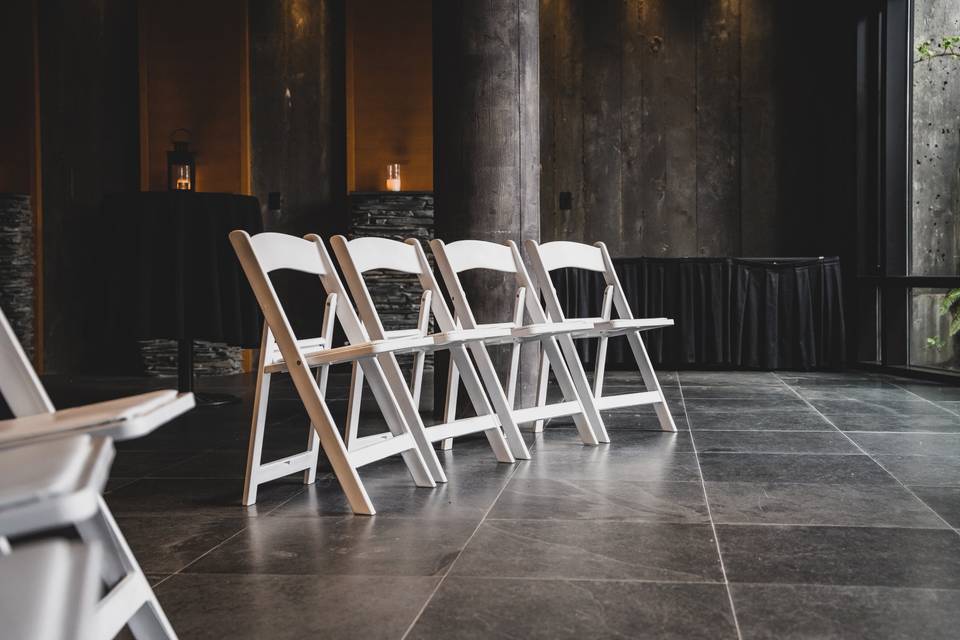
(393, 177)
(183, 178)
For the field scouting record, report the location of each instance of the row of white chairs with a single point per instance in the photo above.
(372, 350)
(53, 468)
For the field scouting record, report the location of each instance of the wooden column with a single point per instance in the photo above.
(298, 113)
(487, 135)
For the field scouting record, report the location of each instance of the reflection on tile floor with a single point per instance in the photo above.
(790, 505)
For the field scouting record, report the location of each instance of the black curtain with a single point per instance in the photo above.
(728, 312)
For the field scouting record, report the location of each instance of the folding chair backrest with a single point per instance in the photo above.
(368, 254)
(570, 255)
(464, 255)
(19, 384)
(346, 314)
(563, 254)
(361, 255)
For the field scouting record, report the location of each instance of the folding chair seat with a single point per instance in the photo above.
(56, 484)
(457, 257)
(53, 465)
(359, 256)
(50, 589)
(282, 350)
(551, 256)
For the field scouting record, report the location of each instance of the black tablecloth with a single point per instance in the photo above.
(170, 270)
(729, 312)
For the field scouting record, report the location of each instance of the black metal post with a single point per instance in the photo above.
(185, 365)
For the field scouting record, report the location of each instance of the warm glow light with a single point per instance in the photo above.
(183, 178)
(393, 177)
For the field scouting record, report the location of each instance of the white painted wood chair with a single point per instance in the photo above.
(362, 255)
(50, 589)
(282, 351)
(53, 466)
(457, 257)
(550, 256)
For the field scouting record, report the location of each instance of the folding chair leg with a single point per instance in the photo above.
(313, 443)
(573, 384)
(353, 404)
(450, 408)
(512, 376)
(590, 409)
(393, 396)
(600, 369)
(495, 436)
(416, 377)
(492, 382)
(650, 380)
(251, 480)
(130, 601)
(336, 452)
(542, 380)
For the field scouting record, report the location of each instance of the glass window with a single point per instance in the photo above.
(935, 227)
(931, 343)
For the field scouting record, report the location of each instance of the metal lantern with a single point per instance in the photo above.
(181, 163)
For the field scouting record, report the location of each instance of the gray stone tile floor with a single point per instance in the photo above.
(789, 505)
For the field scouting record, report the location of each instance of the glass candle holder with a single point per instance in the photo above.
(393, 177)
(183, 182)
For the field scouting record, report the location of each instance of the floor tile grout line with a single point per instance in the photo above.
(926, 400)
(875, 461)
(706, 500)
(226, 540)
(473, 534)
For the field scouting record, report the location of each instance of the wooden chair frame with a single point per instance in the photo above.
(259, 256)
(129, 599)
(550, 256)
(357, 257)
(554, 338)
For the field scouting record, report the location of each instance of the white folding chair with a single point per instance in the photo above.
(457, 257)
(561, 255)
(50, 589)
(359, 256)
(56, 484)
(60, 460)
(268, 252)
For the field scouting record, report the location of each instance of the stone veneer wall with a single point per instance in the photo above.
(17, 266)
(209, 358)
(397, 216)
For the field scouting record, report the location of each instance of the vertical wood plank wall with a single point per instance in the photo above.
(697, 127)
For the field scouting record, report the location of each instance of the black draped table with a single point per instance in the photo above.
(172, 272)
(744, 313)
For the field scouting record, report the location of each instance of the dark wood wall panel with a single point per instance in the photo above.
(718, 129)
(669, 130)
(759, 128)
(602, 88)
(696, 127)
